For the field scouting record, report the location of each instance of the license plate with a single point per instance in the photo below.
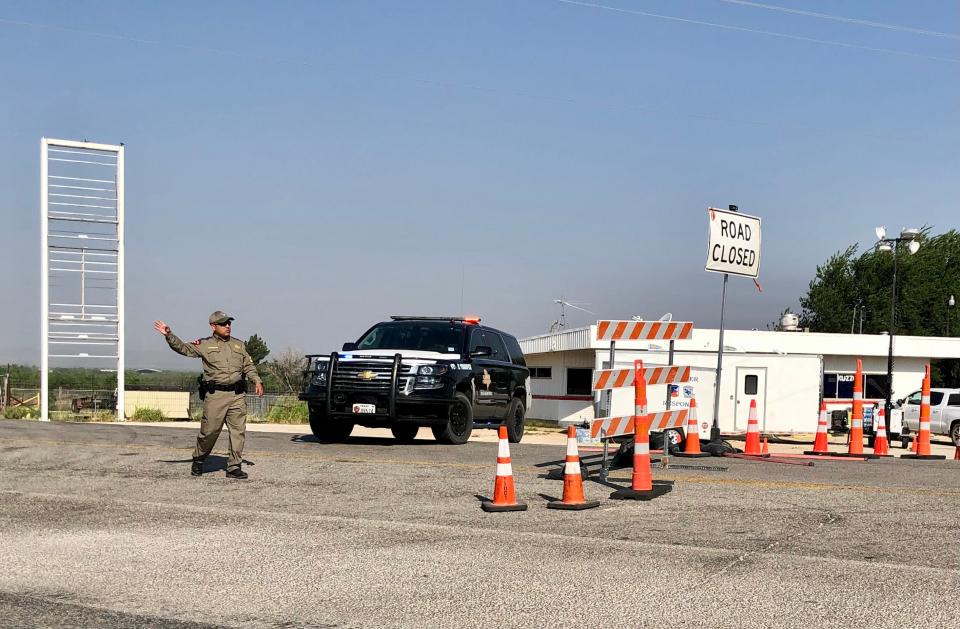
(364, 409)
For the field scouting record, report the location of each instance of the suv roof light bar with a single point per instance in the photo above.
(473, 320)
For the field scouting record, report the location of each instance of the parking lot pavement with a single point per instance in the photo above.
(101, 525)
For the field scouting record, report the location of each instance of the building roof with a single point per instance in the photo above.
(758, 342)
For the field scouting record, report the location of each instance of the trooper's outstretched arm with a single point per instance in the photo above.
(175, 343)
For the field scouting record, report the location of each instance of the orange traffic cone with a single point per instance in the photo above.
(956, 454)
(504, 498)
(641, 486)
(923, 435)
(573, 499)
(752, 445)
(855, 436)
(820, 444)
(881, 446)
(692, 447)
(856, 416)
(765, 450)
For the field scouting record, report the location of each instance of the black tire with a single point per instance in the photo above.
(905, 443)
(329, 431)
(955, 433)
(404, 433)
(515, 420)
(460, 424)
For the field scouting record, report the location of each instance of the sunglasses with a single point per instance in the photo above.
(225, 325)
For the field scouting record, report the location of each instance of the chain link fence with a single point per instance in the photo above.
(178, 404)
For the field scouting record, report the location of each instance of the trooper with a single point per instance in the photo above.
(226, 369)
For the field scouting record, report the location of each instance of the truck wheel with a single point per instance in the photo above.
(404, 433)
(459, 425)
(327, 430)
(955, 433)
(515, 421)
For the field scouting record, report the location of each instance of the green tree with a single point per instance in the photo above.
(257, 349)
(848, 282)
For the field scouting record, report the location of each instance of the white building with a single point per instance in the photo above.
(786, 373)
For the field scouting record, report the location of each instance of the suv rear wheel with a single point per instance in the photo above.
(460, 423)
(327, 430)
(515, 420)
(955, 433)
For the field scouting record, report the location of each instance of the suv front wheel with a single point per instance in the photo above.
(460, 423)
(515, 421)
(327, 430)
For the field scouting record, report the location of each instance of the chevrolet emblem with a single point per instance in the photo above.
(367, 375)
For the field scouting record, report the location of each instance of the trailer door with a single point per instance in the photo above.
(751, 385)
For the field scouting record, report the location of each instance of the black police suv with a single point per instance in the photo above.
(449, 373)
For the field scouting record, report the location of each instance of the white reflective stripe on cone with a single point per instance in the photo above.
(571, 447)
(573, 467)
(639, 410)
(504, 449)
(504, 469)
(925, 399)
(641, 447)
(856, 423)
(924, 425)
(882, 432)
(857, 395)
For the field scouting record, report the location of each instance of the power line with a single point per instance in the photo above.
(846, 20)
(744, 29)
(481, 88)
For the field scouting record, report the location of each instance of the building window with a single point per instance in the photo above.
(875, 386)
(579, 381)
(541, 372)
(840, 386)
(751, 384)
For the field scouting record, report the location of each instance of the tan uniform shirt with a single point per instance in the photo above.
(224, 362)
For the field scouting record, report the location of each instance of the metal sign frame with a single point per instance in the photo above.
(81, 238)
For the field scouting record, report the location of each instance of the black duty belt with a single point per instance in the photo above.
(207, 386)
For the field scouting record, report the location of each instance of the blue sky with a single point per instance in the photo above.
(313, 167)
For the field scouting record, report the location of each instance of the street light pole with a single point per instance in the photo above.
(893, 323)
(892, 245)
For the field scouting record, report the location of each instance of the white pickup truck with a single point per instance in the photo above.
(944, 413)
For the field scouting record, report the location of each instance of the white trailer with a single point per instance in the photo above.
(786, 373)
(786, 389)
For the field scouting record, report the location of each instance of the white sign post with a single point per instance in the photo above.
(733, 247)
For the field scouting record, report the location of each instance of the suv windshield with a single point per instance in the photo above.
(426, 336)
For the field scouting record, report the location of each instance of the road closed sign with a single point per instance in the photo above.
(734, 245)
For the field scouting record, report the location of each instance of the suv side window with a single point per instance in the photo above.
(516, 354)
(914, 398)
(954, 399)
(496, 344)
(476, 339)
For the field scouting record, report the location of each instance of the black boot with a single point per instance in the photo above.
(237, 473)
(197, 468)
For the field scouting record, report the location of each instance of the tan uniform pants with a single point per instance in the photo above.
(220, 407)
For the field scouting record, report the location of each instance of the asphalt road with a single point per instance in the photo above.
(102, 526)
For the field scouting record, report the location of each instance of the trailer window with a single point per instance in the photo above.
(579, 381)
(751, 384)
